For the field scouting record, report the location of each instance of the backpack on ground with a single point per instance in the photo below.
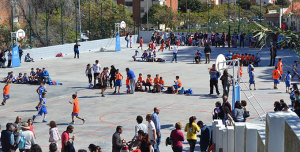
(22, 141)
(181, 91)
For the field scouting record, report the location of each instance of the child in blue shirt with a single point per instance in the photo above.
(42, 108)
(251, 79)
(288, 79)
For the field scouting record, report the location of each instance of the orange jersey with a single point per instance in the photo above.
(233, 57)
(75, 105)
(162, 82)
(276, 74)
(156, 80)
(253, 58)
(243, 58)
(279, 67)
(162, 46)
(249, 57)
(119, 76)
(141, 41)
(140, 79)
(238, 56)
(179, 83)
(241, 71)
(127, 81)
(149, 80)
(6, 89)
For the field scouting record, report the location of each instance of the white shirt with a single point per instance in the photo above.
(97, 68)
(175, 49)
(139, 127)
(151, 127)
(29, 139)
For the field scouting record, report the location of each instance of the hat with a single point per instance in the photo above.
(25, 126)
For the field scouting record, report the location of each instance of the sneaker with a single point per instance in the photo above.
(114, 92)
(3, 103)
(254, 88)
(37, 108)
(83, 121)
(33, 117)
(103, 95)
(72, 123)
(250, 89)
(45, 121)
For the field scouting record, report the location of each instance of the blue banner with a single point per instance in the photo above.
(118, 43)
(235, 94)
(15, 61)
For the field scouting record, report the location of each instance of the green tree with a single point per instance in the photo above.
(194, 5)
(4, 37)
(103, 24)
(161, 15)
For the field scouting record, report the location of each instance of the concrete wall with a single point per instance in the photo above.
(96, 45)
(280, 133)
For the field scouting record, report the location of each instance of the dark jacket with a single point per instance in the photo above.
(116, 142)
(5, 140)
(205, 136)
(207, 50)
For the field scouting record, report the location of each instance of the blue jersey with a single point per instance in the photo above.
(41, 90)
(251, 75)
(44, 102)
(288, 78)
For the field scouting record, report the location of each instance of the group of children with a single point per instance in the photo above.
(244, 58)
(24, 78)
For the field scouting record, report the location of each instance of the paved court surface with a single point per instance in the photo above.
(104, 114)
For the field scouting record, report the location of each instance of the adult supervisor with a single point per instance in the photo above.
(131, 77)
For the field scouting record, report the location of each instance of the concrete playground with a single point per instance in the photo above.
(104, 114)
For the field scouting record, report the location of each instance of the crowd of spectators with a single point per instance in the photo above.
(34, 77)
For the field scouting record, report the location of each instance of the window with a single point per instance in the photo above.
(128, 3)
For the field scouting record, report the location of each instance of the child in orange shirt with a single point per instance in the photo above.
(161, 84)
(140, 82)
(141, 43)
(75, 108)
(128, 85)
(6, 94)
(119, 78)
(149, 82)
(156, 83)
(177, 85)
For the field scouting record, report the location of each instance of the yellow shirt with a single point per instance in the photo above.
(191, 131)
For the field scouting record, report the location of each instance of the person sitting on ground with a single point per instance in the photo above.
(32, 75)
(45, 75)
(144, 56)
(198, 56)
(177, 85)
(149, 82)
(229, 55)
(256, 60)
(140, 82)
(7, 78)
(28, 58)
(25, 79)
(135, 55)
(154, 56)
(156, 83)
(161, 83)
(20, 78)
(149, 57)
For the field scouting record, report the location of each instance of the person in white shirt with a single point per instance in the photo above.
(28, 136)
(138, 127)
(96, 69)
(175, 51)
(151, 130)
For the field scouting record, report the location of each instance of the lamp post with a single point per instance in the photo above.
(47, 41)
(101, 19)
(30, 34)
(76, 25)
(89, 19)
(239, 17)
(208, 18)
(61, 22)
(228, 7)
(147, 15)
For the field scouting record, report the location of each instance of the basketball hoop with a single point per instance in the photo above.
(122, 25)
(221, 63)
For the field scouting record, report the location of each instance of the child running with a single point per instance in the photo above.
(294, 68)
(276, 75)
(288, 79)
(42, 108)
(251, 79)
(6, 94)
(119, 78)
(39, 91)
(75, 108)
